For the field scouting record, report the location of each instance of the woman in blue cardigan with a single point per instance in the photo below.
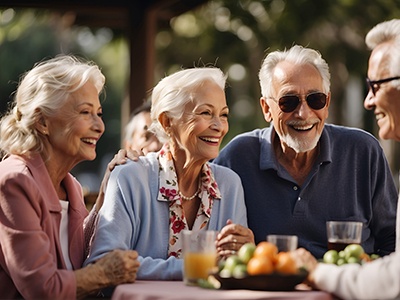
(150, 202)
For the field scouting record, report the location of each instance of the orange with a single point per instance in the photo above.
(266, 249)
(260, 265)
(285, 263)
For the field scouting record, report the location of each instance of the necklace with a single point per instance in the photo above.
(191, 197)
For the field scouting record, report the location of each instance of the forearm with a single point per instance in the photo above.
(374, 280)
(160, 269)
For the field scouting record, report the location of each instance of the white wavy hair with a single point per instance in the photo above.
(44, 89)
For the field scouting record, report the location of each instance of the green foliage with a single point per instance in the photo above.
(28, 36)
(224, 33)
(242, 32)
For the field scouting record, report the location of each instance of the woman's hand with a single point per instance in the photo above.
(116, 267)
(232, 237)
(119, 159)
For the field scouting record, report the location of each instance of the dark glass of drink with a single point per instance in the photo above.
(339, 245)
(342, 233)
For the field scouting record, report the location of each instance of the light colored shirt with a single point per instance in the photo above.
(134, 217)
(379, 279)
(64, 233)
(169, 190)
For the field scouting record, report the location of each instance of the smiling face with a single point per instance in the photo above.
(386, 102)
(72, 134)
(300, 129)
(204, 124)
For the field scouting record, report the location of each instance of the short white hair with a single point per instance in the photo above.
(173, 92)
(387, 32)
(297, 55)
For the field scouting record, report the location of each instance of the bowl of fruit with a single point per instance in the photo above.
(259, 267)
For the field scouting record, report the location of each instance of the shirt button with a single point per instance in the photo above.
(298, 199)
(295, 188)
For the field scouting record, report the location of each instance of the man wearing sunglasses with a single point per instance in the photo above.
(299, 172)
(378, 279)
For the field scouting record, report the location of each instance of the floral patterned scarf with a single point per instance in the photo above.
(169, 191)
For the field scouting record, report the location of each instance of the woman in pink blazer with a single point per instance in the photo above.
(45, 229)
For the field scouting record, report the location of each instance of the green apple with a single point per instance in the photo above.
(231, 262)
(353, 260)
(353, 250)
(331, 257)
(246, 252)
(240, 271)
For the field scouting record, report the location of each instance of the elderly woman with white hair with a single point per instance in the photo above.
(150, 202)
(54, 123)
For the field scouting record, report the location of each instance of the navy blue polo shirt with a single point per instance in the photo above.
(351, 180)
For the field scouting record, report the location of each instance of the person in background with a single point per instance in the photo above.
(137, 136)
(45, 230)
(380, 278)
(149, 202)
(300, 172)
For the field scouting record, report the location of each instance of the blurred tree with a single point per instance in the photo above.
(233, 35)
(236, 35)
(28, 36)
(25, 38)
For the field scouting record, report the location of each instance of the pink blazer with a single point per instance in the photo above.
(31, 261)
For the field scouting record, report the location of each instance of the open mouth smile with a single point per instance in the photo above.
(307, 127)
(89, 141)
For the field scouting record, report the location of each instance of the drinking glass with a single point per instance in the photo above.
(342, 233)
(199, 255)
(284, 243)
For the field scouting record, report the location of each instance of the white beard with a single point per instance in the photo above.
(300, 145)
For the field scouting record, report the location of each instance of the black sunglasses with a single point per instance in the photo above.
(374, 84)
(288, 103)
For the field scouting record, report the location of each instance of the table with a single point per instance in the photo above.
(177, 290)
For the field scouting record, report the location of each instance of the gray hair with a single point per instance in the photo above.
(173, 92)
(44, 89)
(388, 31)
(297, 55)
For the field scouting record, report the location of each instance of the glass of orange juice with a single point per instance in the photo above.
(199, 255)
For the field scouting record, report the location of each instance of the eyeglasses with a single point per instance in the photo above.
(374, 84)
(288, 103)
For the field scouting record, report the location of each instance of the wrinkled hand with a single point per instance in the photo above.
(304, 259)
(119, 159)
(232, 237)
(116, 267)
(119, 266)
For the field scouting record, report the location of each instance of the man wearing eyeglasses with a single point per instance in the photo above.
(299, 172)
(378, 279)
